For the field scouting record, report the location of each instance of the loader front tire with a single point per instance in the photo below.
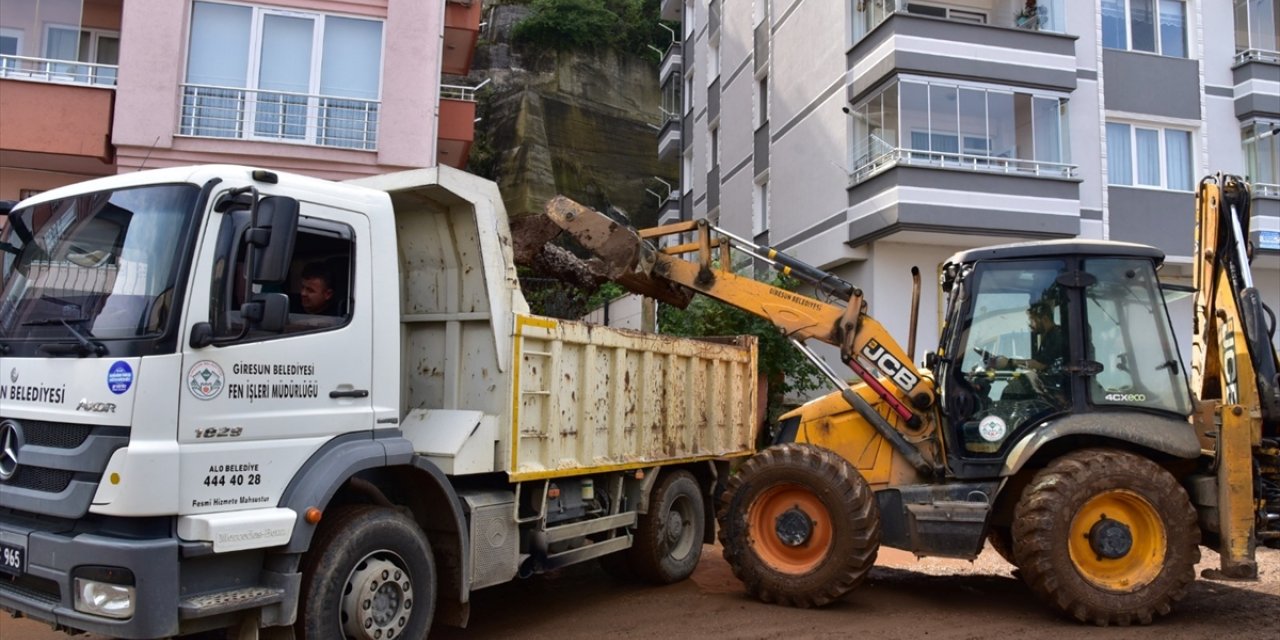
(799, 526)
(369, 575)
(1106, 537)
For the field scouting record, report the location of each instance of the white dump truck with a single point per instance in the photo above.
(236, 398)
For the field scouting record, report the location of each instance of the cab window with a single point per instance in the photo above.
(318, 284)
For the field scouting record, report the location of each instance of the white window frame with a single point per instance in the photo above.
(760, 204)
(760, 108)
(257, 20)
(17, 34)
(1128, 31)
(1163, 152)
(972, 15)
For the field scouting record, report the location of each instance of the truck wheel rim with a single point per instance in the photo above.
(1118, 541)
(378, 598)
(678, 529)
(779, 534)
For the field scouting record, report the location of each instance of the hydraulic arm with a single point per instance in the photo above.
(864, 344)
(1234, 372)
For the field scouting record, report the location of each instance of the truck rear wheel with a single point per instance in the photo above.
(799, 526)
(1107, 537)
(668, 539)
(369, 575)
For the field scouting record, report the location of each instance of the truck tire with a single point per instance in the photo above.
(668, 539)
(799, 526)
(1106, 537)
(369, 575)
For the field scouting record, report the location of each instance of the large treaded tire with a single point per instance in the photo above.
(1052, 529)
(777, 485)
(668, 539)
(354, 547)
(1001, 540)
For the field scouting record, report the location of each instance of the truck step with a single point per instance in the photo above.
(587, 527)
(212, 604)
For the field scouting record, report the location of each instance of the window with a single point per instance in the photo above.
(1262, 152)
(715, 145)
(762, 107)
(960, 125)
(1132, 339)
(1148, 157)
(760, 219)
(265, 74)
(10, 45)
(686, 172)
(318, 284)
(1154, 26)
(713, 60)
(1258, 28)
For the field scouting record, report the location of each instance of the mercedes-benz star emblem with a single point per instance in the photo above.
(10, 442)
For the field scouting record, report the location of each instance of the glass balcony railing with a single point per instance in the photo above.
(1033, 15)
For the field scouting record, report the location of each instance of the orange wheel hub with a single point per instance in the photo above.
(790, 528)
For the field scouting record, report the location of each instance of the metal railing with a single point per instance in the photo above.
(1257, 55)
(1265, 190)
(58, 71)
(876, 160)
(252, 114)
(460, 92)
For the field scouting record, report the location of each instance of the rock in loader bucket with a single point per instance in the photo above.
(628, 259)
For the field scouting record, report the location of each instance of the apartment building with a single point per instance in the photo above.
(330, 88)
(868, 136)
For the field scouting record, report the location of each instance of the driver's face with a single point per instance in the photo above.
(314, 295)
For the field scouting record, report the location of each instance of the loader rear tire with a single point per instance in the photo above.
(1106, 537)
(799, 526)
(668, 539)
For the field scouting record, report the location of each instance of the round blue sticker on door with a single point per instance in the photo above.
(120, 377)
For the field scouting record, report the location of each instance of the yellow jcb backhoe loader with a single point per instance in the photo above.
(1054, 418)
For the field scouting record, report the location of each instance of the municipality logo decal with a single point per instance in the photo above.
(205, 380)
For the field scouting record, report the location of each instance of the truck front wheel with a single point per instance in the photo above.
(1106, 537)
(369, 575)
(799, 525)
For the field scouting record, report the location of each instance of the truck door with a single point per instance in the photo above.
(255, 405)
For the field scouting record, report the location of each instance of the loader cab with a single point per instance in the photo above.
(1039, 331)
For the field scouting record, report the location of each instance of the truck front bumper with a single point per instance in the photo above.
(45, 590)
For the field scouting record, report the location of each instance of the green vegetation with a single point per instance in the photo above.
(786, 369)
(628, 26)
(558, 299)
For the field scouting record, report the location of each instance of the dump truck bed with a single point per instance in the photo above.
(589, 398)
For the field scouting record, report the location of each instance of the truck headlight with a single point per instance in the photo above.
(99, 592)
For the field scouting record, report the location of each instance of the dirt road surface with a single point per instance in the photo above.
(904, 598)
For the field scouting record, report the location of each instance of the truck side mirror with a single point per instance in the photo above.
(267, 311)
(271, 236)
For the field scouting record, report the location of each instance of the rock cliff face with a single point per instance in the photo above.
(579, 124)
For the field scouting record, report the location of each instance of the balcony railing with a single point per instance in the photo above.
(58, 71)
(460, 92)
(883, 157)
(1257, 55)
(1264, 190)
(281, 116)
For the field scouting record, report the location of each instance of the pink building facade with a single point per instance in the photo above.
(330, 88)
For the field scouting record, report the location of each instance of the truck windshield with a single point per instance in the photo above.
(102, 265)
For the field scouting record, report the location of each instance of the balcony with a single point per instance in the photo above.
(1047, 16)
(461, 31)
(1256, 74)
(278, 116)
(457, 130)
(57, 108)
(993, 48)
(669, 137)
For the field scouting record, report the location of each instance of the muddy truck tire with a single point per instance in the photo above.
(799, 526)
(1106, 537)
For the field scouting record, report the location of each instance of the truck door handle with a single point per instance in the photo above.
(349, 393)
